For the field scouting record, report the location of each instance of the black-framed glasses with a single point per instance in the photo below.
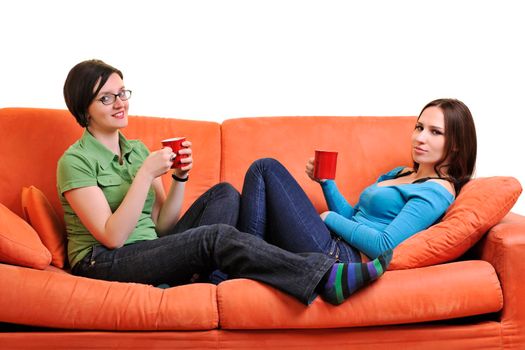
(108, 99)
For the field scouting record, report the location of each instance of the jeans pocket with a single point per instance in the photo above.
(94, 259)
(333, 247)
(95, 264)
(98, 255)
(83, 265)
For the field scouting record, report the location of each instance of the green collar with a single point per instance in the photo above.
(94, 147)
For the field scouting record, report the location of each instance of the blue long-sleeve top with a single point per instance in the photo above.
(385, 215)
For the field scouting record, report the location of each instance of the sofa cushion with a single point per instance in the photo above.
(367, 146)
(61, 300)
(481, 204)
(430, 293)
(40, 214)
(24, 164)
(19, 243)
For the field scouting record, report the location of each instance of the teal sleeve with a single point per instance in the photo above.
(419, 213)
(335, 200)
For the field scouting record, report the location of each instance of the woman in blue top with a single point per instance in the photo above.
(399, 204)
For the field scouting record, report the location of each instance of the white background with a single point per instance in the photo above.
(213, 59)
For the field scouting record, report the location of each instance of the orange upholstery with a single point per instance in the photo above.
(504, 248)
(112, 340)
(481, 204)
(19, 243)
(367, 148)
(43, 218)
(31, 143)
(482, 335)
(65, 301)
(469, 304)
(398, 297)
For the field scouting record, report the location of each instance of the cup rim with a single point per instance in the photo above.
(173, 139)
(325, 151)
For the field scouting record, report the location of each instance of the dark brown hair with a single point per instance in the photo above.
(459, 156)
(79, 87)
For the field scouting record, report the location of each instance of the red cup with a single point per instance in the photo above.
(325, 163)
(176, 145)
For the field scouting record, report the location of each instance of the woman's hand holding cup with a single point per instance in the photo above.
(157, 163)
(310, 169)
(182, 159)
(322, 166)
(185, 155)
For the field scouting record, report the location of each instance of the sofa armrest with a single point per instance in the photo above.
(504, 248)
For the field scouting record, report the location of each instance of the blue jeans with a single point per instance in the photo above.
(275, 208)
(218, 205)
(175, 258)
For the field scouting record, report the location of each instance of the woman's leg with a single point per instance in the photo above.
(174, 258)
(345, 279)
(274, 207)
(218, 205)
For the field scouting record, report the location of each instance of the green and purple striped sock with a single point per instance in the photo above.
(343, 279)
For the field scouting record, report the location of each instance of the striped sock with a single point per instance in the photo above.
(343, 279)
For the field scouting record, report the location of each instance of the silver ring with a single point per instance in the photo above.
(173, 155)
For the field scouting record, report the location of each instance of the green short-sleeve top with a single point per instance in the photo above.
(89, 163)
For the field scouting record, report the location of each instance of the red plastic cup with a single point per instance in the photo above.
(176, 145)
(325, 163)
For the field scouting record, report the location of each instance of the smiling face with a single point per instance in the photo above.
(428, 138)
(109, 118)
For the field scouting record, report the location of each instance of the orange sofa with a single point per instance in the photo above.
(469, 296)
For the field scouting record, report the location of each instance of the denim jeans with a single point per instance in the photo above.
(173, 259)
(275, 208)
(218, 205)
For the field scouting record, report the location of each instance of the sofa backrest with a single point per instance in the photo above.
(33, 139)
(367, 146)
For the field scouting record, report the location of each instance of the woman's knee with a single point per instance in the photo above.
(226, 190)
(224, 231)
(264, 164)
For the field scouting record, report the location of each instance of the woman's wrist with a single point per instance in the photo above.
(180, 179)
(323, 182)
(144, 175)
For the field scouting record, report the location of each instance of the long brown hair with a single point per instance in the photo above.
(459, 156)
